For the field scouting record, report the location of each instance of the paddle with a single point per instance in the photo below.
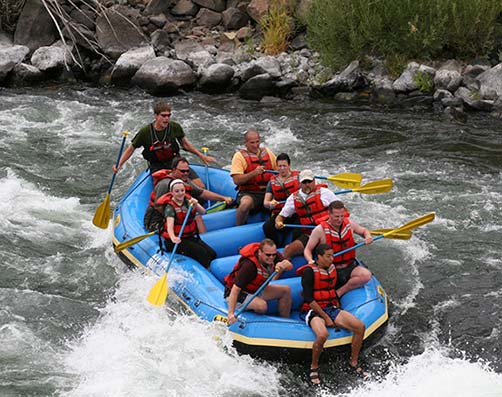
(375, 187)
(158, 293)
(345, 180)
(218, 206)
(102, 214)
(258, 292)
(208, 186)
(403, 235)
(406, 227)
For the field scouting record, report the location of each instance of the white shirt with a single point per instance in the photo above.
(327, 196)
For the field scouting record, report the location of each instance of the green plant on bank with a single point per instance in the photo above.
(424, 82)
(344, 30)
(249, 45)
(276, 28)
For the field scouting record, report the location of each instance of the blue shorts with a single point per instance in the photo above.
(331, 311)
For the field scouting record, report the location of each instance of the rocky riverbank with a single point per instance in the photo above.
(168, 46)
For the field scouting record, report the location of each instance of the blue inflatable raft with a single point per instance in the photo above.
(201, 291)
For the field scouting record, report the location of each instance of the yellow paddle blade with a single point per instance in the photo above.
(219, 206)
(375, 187)
(102, 215)
(404, 235)
(346, 180)
(159, 291)
(412, 224)
(128, 243)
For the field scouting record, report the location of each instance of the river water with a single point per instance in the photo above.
(75, 322)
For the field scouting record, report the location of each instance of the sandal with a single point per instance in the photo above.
(314, 376)
(360, 372)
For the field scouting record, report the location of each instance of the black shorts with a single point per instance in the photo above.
(257, 197)
(331, 311)
(343, 275)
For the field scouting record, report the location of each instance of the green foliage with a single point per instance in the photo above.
(424, 82)
(276, 28)
(344, 30)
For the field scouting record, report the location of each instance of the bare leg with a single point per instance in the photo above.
(246, 204)
(283, 294)
(319, 327)
(294, 248)
(359, 276)
(350, 322)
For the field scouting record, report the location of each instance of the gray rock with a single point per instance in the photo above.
(456, 114)
(349, 79)
(129, 63)
(475, 70)
(10, 57)
(185, 8)
(407, 81)
(215, 5)
(216, 78)
(248, 70)
(257, 87)
(234, 19)
(440, 94)
(472, 99)
(24, 74)
(382, 90)
(256, 9)
(35, 28)
(208, 18)
(270, 65)
(161, 75)
(452, 101)
(115, 34)
(185, 48)
(52, 59)
(447, 79)
(158, 20)
(491, 80)
(84, 16)
(299, 42)
(5, 40)
(161, 40)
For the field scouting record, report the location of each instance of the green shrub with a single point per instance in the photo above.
(344, 30)
(424, 82)
(276, 28)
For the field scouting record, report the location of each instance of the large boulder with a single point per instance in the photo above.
(35, 28)
(234, 19)
(407, 82)
(473, 100)
(161, 75)
(129, 63)
(349, 79)
(216, 78)
(24, 74)
(257, 87)
(118, 31)
(10, 57)
(53, 59)
(448, 76)
(491, 82)
(208, 18)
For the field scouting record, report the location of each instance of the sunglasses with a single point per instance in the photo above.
(165, 115)
(184, 171)
(269, 255)
(306, 181)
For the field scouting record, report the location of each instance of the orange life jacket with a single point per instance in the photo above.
(340, 241)
(253, 161)
(310, 210)
(180, 212)
(324, 287)
(249, 251)
(281, 190)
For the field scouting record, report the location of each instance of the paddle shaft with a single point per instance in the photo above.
(117, 163)
(181, 233)
(208, 185)
(258, 292)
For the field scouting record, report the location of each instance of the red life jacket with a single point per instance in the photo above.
(324, 287)
(163, 150)
(157, 176)
(180, 212)
(249, 251)
(160, 176)
(340, 241)
(259, 182)
(311, 210)
(281, 190)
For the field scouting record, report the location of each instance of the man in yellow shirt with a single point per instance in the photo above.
(248, 172)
